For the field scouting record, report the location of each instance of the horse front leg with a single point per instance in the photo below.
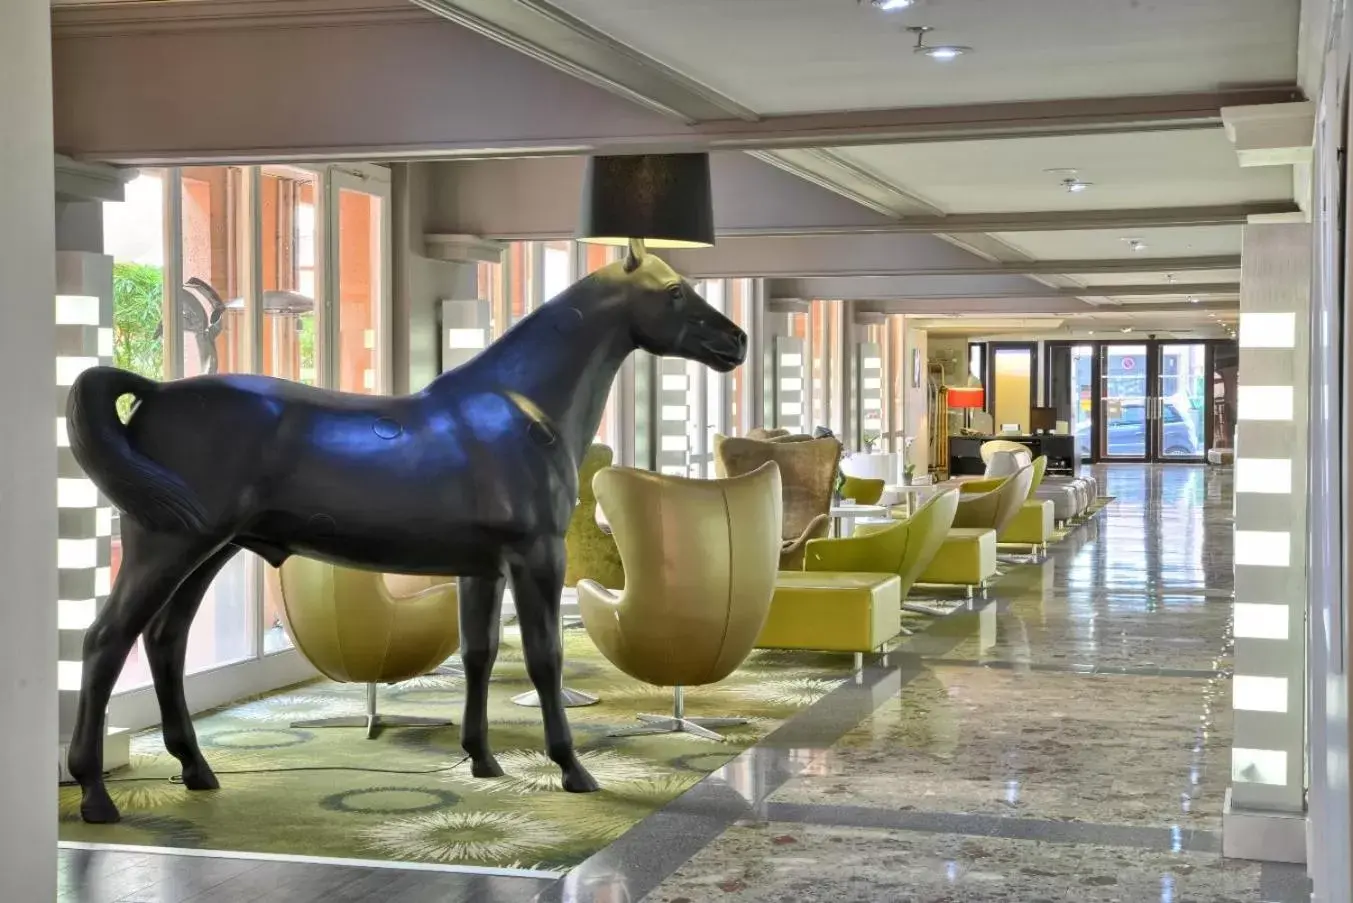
(537, 583)
(481, 603)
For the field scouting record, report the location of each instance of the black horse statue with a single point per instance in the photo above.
(474, 476)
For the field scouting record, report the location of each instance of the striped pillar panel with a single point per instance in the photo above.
(1268, 757)
(790, 394)
(84, 336)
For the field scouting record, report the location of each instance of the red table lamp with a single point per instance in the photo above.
(967, 399)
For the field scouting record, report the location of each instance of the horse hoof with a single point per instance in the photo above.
(200, 777)
(486, 768)
(579, 780)
(97, 808)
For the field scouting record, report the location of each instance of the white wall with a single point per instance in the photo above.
(28, 632)
(915, 413)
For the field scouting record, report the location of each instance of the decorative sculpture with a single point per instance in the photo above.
(475, 476)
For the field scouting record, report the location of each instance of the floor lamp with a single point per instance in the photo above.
(967, 399)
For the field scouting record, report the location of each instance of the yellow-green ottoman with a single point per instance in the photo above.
(967, 558)
(1033, 526)
(833, 611)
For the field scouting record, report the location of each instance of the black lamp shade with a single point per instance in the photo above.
(663, 199)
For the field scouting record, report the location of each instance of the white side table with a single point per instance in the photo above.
(844, 516)
(908, 497)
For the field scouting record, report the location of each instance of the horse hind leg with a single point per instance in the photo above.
(166, 639)
(481, 602)
(153, 566)
(537, 583)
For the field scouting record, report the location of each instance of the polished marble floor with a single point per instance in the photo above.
(1067, 741)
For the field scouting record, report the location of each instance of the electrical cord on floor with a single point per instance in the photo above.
(178, 778)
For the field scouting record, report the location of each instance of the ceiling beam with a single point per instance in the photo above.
(951, 307)
(1070, 220)
(1162, 265)
(921, 289)
(460, 94)
(869, 253)
(548, 34)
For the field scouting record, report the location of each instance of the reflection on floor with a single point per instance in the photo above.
(1067, 742)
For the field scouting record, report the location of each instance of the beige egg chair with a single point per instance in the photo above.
(370, 628)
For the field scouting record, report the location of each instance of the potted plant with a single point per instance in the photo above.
(908, 468)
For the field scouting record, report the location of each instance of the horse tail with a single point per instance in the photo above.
(141, 488)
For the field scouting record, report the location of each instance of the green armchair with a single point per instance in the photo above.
(863, 490)
(905, 547)
(592, 552)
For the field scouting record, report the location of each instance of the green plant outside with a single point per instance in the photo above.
(138, 299)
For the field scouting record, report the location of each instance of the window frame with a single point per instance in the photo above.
(135, 707)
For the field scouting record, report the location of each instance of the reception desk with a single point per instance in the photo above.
(965, 453)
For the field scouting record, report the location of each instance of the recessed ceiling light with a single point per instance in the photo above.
(1139, 247)
(942, 52)
(1090, 332)
(890, 5)
(1193, 300)
(1127, 329)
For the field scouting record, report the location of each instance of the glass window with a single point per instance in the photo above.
(134, 236)
(290, 325)
(289, 252)
(593, 258)
(557, 267)
(740, 301)
(216, 340)
(360, 336)
(520, 280)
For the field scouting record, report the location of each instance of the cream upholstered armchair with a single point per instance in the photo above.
(993, 503)
(1083, 488)
(700, 562)
(808, 474)
(371, 628)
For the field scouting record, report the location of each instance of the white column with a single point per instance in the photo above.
(28, 636)
(1267, 798)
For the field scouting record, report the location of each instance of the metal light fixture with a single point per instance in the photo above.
(1071, 180)
(658, 200)
(942, 52)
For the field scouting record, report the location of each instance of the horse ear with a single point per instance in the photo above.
(636, 255)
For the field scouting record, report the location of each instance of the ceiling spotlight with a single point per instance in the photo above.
(1127, 329)
(1193, 300)
(890, 5)
(941, 52)
(1138, 247)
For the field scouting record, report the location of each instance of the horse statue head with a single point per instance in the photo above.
(669, 318)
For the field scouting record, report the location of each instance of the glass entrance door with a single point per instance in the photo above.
(1124, 403)
(1179, 408)
(1070, 391)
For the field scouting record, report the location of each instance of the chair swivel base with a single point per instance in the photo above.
(374, 724)
(666, 724)
(573, 699)
(373, 721)
(677, 722)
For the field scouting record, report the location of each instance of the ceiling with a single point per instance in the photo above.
(851, 56)
(848, 55)
(768, 58)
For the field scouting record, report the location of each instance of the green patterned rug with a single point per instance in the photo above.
(522, 820)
